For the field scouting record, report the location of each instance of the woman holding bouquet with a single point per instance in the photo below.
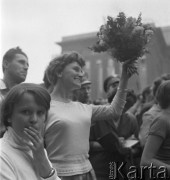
(68, 125)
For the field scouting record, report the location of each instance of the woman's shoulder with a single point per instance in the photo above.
(160, 125)
(6, 150)
(162, 117)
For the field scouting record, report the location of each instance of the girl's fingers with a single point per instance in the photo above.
(29, 143)
(35, 131)
(31, 138)
(131, 70)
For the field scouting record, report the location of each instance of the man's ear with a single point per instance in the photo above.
(5, 64)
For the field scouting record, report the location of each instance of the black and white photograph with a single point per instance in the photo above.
(84, 89)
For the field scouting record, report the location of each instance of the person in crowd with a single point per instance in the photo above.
(68, 124)
(128, 125)
(165, 76)
(144, 103)
(83, 94)
(110, 84)
(148, 116)
(14, 66)
(105, 143)
(22, 154)
(106, 148)
(157, 147)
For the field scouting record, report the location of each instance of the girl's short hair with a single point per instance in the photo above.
(163, 94)
(57, 65)
(41, 96)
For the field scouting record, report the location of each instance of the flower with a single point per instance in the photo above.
(123, 37)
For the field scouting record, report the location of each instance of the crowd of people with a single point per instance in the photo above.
(54, 130)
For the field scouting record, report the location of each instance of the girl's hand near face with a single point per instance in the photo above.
(36, 144)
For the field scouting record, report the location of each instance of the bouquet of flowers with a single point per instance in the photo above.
(124, 37)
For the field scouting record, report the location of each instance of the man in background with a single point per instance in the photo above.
(110, 85)
(14, 66)
(83, 94)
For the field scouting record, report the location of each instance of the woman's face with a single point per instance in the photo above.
(72, 76)
(27, 113)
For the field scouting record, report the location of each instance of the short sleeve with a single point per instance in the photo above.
(159, 127)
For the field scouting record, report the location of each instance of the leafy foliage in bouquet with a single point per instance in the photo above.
(124, 37)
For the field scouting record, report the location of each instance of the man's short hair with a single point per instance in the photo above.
(10, 54)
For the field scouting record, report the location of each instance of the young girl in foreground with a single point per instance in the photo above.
(22, 155)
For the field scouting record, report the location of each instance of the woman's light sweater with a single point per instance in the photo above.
(67, 132)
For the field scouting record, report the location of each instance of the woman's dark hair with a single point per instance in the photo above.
(157, 82)
(57, 65)
(41, 96)
(46, 80)
(163, 94)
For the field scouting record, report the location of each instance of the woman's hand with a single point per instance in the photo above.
(36, 144)
(129, 68)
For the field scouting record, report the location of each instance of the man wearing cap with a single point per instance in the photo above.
(83, 94)
(110, 85)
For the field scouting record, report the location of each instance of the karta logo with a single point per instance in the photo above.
(123, 171)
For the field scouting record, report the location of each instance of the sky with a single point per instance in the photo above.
(36, 25)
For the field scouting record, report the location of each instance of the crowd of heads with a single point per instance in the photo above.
(15, 64)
